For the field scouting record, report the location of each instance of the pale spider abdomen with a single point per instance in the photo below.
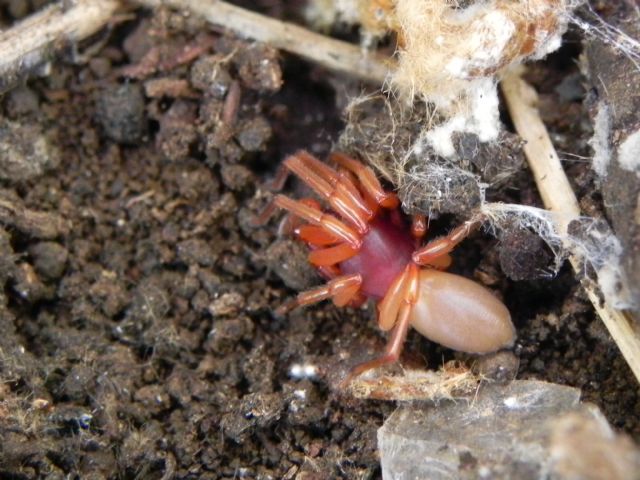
(461, 314)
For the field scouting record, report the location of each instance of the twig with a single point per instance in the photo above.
(30, 44)
(558, 196)
(333, 54)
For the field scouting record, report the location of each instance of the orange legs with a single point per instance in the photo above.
(368, 180)
(326, 257)
(315, 235)
(419, 227)
(437, 251)
(332, 240)
(336, 189)
(314, 216)
(342, 240)
(342, 290)
(394, 311)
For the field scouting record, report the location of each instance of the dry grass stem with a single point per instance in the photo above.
(453, 380)
(333, 54)
(558, 196)
(30, 44)
(544, 162)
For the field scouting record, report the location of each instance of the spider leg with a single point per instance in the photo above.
(314, 216)
(358, 300)
(329, 273)
(367, 179)
(391, 352)
(401, 317)
(277, 183)
(402, 287)
(316, 236)
(291, 223)
(325, 257)
(337, 190)
(419, 226)
(341, 289)
(334, 178)
(440, 247)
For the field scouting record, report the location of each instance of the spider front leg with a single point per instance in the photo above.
(291, 223)
(314, 216)
(368, 180)
(336, 189)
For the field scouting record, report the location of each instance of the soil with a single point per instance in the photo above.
(139, 334)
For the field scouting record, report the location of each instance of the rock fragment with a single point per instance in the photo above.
(504, 432)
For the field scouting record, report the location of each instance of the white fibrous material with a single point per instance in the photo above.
(451, 57)
(629, 153)
(589, 240)
(326, 13)
(480, 117)
(373, 16)
(445, 47)
(600, 140)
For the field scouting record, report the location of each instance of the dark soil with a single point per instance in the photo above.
(138, 334)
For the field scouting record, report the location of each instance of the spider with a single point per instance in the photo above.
(368, 251)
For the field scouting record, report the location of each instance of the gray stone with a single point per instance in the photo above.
(502, 433)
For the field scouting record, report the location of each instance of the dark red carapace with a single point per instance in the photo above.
(385, 252)
(368, 252)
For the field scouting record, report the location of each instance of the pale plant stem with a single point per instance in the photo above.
(30, 44)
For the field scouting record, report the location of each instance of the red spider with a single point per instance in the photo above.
(370, 253)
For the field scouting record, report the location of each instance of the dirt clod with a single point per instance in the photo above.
(121, 112)
(25, 151)
(226, 333)
(227, 304)
(434, 190)
(498, 367)
(524, 255)
(259, 67)
(254, 411)
(21, 101)
(495, 161)
(210, 74)
(288, 260)
(37, 224)
(29, 285)
(50, 259)
(236, 177)
(254, 134)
